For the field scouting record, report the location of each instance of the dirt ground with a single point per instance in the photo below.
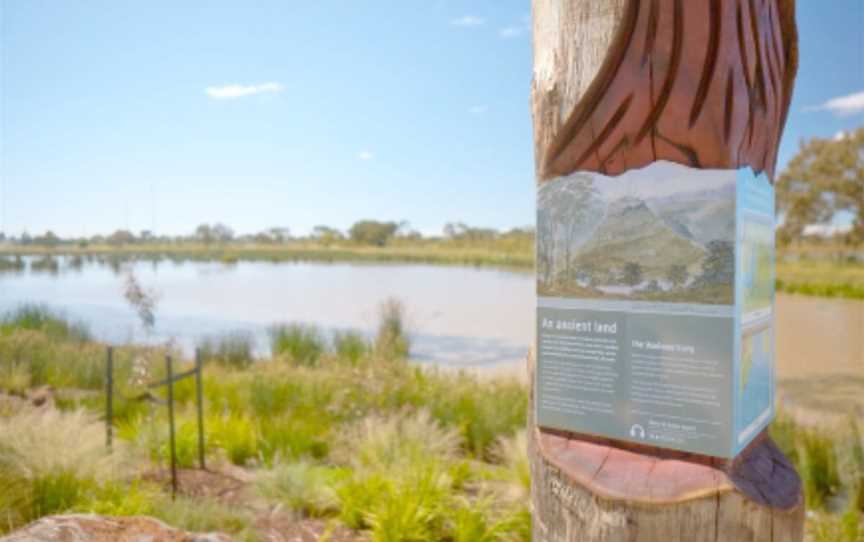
(231, 485)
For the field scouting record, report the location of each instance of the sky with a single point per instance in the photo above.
(164, 115)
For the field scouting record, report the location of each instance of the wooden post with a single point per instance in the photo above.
(199, 403)
(169, 372)
(109, 397)
(619, 84)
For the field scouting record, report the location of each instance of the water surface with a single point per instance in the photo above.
(455, 315)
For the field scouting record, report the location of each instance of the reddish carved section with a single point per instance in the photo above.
(704, 83)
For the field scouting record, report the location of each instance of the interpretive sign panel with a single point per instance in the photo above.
(655, 294)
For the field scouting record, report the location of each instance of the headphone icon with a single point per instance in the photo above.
(637, 431)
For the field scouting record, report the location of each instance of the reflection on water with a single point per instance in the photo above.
(456, 315)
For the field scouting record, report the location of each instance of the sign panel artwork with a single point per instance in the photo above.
(655, 306)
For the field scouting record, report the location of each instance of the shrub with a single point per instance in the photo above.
(303, 345)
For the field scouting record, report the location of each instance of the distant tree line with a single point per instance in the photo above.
(364, 232)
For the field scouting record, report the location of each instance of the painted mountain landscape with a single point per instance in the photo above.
(663, 233)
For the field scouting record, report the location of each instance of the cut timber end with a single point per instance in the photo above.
(590, 489)
(657, 476)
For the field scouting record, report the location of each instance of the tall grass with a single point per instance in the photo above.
(821, 278)
(45, 320)
(50, 462)
(234, 349)
(206, 515)
(304, 487)
(343, 431)
(301, 344)
(350, 346)
(392, 340)
(829, 460)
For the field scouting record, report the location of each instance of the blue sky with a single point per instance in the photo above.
(302, 113)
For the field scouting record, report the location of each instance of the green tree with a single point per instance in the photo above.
(49, 239)
(718, 267)
(327, 235)
(121, 237)
(632, 274)
(371, 232)
(676, 275)
(825, 177)
(204, 233)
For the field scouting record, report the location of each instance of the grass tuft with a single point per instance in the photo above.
(301, 344)
(234, 349)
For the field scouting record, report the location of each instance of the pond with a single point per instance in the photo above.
(457, 316)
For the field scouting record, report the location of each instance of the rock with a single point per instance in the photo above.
(93, 528)
(43, 395)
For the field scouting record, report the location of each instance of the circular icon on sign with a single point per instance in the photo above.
(637, 431)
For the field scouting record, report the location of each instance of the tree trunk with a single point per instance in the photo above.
(619, 84)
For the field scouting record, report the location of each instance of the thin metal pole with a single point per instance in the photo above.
(199, 399)
(169, 370)
(109, 398)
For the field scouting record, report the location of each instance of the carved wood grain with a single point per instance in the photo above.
(704, 83)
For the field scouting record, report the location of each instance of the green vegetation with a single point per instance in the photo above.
(358, 438)
(234, 349)
(366, 241)
(826, 177)
(302, 344)
(827, 278)
(831, 464)
(344, 430)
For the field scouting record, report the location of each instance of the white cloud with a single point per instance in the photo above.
(365, 155)
(478, 109)
(468, 20)
(229, 92)
(509, 32)
(843, 106)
